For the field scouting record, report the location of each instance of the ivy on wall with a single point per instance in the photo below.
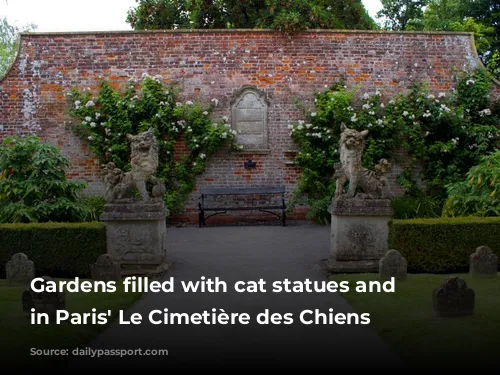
(106, 119)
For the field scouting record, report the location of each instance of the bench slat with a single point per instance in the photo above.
(242, 191)
(243, 208)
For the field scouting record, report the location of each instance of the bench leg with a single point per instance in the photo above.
(284, 217)
(201, 219)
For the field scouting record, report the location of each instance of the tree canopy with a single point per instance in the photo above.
(9, 42)
(284, 15)
(399, 14)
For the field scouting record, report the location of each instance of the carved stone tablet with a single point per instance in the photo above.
(249, 118)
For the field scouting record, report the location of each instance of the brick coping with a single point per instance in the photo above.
(23, 35)
(254, 31)
(249, 31)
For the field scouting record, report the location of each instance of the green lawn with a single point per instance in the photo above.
(406, 321)
(18, 335)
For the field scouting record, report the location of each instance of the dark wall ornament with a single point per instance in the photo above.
(249, 164)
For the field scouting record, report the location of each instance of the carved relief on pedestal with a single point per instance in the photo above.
(133, 239)
(361, 239)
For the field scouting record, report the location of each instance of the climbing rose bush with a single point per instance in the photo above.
(104, 121)
(444, 134)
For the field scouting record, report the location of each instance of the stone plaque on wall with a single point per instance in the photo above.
(249, 119)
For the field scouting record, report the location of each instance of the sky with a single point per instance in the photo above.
(87, 15)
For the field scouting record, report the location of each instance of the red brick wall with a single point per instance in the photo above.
(215, 64)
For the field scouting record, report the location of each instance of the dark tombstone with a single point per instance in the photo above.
(43, 302)
(27, 302)
(106, 269)
(453, 298)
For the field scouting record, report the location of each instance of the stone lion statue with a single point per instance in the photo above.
(144, 162)
(374, 184)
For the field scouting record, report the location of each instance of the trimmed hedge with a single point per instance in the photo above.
(58, 249)
(443, 245)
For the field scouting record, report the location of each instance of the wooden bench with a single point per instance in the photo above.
(206, 192)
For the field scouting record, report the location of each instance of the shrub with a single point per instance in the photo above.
(57, 249)
(478, 195)
(96, 207)
(443, 245)
(33, 184)
(408, 207)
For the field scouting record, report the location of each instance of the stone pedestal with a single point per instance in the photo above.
(136, 237)
(359, 234)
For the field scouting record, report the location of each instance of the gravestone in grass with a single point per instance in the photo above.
(483, 263)
(20, 270)
(393, 264)
(453, 298)
(43, 301)
(105, 269)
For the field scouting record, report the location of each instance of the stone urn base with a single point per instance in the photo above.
(359, 234)
(136, 235)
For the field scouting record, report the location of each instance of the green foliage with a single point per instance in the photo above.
(493, 64)
(408, 207)
(9, 43)
(106, 119)
(482, 17)
(444, 134)
(96, 208)
(284, 15)
(478, 195)
(58, 249)
(33, 184)
(443, 245)
(318, 138)
(402, 14)
(451, 131)
(294, 16)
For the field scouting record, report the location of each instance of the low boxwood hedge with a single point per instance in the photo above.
(443, 245)
(57, 249)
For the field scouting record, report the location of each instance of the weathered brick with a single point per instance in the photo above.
(211, 64)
